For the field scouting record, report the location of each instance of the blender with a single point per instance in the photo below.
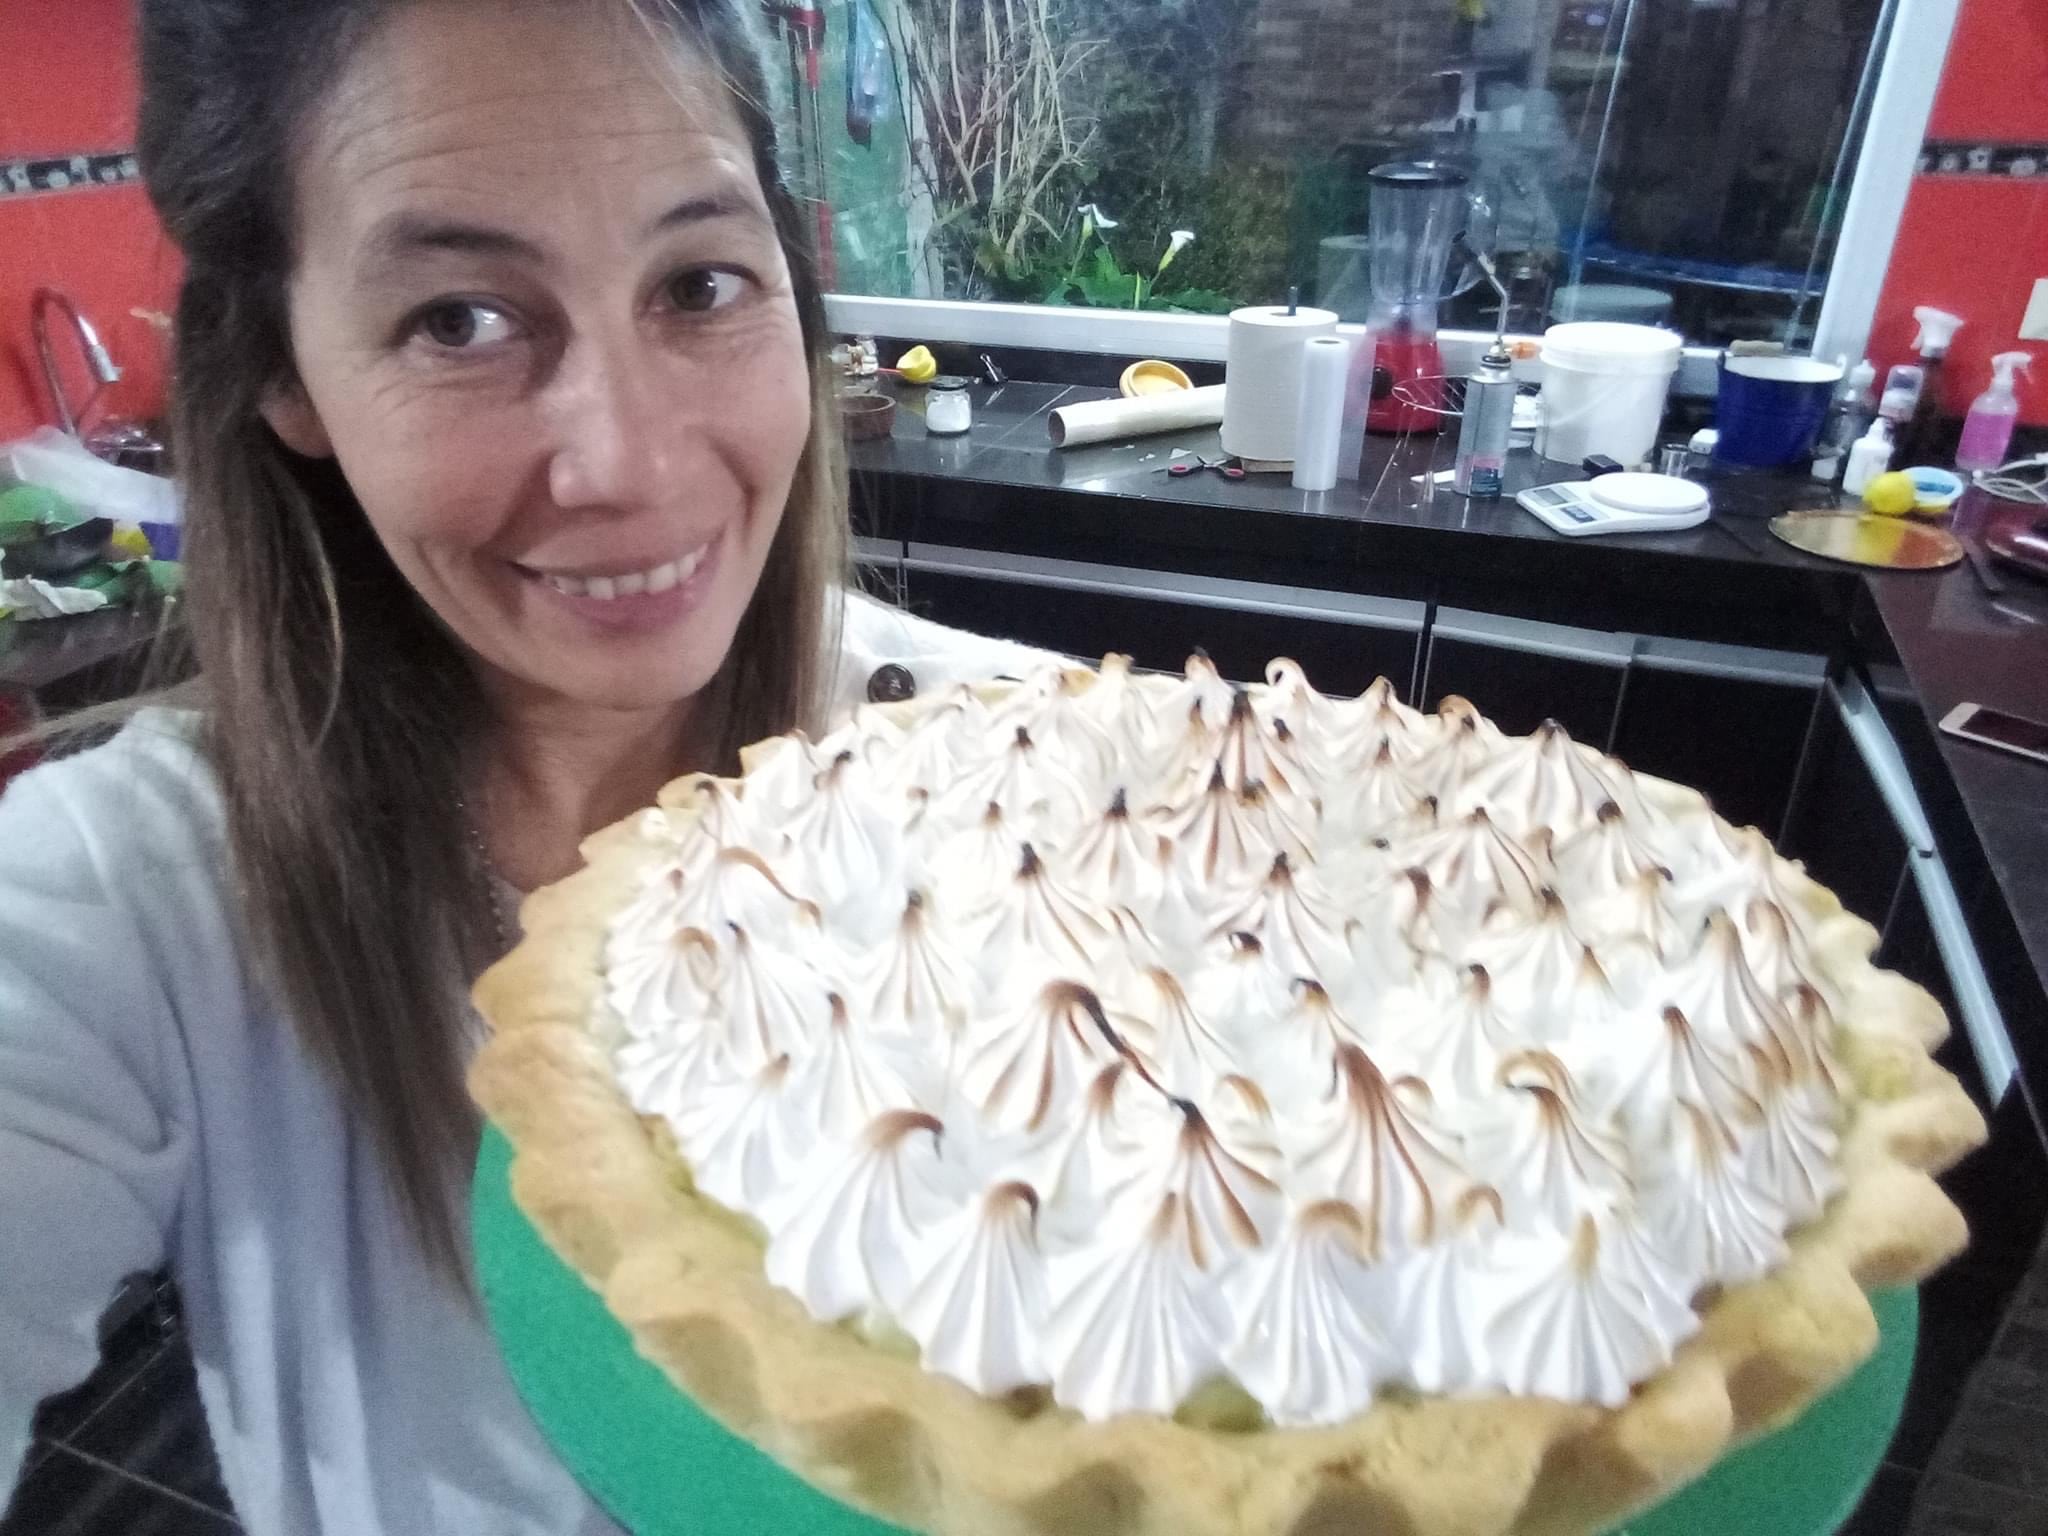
(1415, 211)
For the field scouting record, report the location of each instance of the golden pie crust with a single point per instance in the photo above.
(869, 1426)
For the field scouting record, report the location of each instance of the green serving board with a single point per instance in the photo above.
(660, 1466)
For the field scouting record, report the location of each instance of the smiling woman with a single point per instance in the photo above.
(512, 493)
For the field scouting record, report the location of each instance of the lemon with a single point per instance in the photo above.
(1892, 494)
(918, 366)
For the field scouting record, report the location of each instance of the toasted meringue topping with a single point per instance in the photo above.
(1108, 1034)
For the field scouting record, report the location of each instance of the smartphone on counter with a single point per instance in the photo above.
(1995, 728)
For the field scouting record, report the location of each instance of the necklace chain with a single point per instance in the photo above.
(486, 877)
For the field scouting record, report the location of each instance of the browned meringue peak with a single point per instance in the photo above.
(840, 836)
(1780, 954)
(1053, 709)
(1383, 799)
(1033, 911)
(1641, 912)
(1734, 864)
(1343, 735)
(1031, 786)
(702, 815)
(1717, 1076)
(1796, 1150)
(1604, 857)
(1374, 1143)
(1553, 1158)
(739, 886)
(1465, 740)
(1041, 1054)
(1218, 1198)
(1118, 702)
(1722, 999)
(1251, 750)
(1455, 1042)
(1302, 924)
(1113, 855)
(1397, 924)
(1312, 1031)
(951, 740)
(1186, 1054)
(1218, 841)
(923, 986)
(1475, 865)
(1541, 780)
(1243, 990)
(1203, 697)
(1533, 960)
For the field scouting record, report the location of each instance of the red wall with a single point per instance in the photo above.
(1974, 245)
(66, 87)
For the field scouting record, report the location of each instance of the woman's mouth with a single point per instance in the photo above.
(650, 597)
(659, 578)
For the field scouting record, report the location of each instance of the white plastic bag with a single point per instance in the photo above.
(58, 462)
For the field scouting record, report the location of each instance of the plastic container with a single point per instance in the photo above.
(1987, 430)
(1871, 456)
(1771, 409)
(1604, 386)
(1848, 419)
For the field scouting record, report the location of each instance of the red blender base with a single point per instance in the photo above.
(1407, 385)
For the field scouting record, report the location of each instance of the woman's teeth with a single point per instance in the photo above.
(659, 579)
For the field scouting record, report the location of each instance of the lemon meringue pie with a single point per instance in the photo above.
(1119, 1102)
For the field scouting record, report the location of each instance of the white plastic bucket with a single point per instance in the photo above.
(1603, 389)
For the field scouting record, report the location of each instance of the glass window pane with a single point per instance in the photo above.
(1675, 161)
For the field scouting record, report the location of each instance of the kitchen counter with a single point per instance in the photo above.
(1389, 533)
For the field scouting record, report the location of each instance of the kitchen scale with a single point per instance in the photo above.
(1623, 503)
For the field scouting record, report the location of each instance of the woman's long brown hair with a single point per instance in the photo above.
(342, 720)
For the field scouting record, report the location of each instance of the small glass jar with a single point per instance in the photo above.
(947, 412)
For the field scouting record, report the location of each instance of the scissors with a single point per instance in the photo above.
(1229, 469)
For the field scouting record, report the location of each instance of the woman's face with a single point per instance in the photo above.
(542, 321)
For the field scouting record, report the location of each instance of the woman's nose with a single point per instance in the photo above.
(618, 435)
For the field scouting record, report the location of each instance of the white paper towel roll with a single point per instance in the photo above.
(1325, 370)
(1101, 421)
(1264, 375)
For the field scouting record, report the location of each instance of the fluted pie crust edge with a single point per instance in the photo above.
(874, 1429)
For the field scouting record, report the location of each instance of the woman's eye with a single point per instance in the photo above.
(702, 289)
(464, 324)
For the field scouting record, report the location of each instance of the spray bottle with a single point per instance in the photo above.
(1849, 417)
(1937, 329)
(1987, 430)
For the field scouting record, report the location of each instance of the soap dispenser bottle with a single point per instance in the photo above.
(1987, 430)
(1937, 329)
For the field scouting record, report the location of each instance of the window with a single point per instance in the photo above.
(1683, 162)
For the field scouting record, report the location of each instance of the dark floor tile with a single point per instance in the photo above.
(1886, 1506)
(67, 1495)
(1997, 1443)
(156, 1429)
(1960, 1309)
(2016, 1370)
(1952, 1505)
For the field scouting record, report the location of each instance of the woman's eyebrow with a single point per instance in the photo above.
(721, 204)
(398, 237)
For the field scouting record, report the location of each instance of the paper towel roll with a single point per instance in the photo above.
(1325, 371)
(1101, 421)
(1264, 375)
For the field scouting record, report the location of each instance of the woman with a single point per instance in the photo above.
(510, 465)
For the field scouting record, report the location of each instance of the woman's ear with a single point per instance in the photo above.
(295, 420)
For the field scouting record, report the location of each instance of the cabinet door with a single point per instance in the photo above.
(1159, 619)
(1842, 828)
(1520, 673)
(1727, 721)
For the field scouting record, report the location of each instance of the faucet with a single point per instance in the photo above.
(97, 362)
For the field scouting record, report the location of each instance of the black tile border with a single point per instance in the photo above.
(49, 175)
(1984, 157)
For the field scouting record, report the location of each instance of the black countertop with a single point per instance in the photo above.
(1394, 532)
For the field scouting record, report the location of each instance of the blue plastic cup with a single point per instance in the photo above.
(1771, 409)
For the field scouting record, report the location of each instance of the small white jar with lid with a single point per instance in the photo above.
(947, 412)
